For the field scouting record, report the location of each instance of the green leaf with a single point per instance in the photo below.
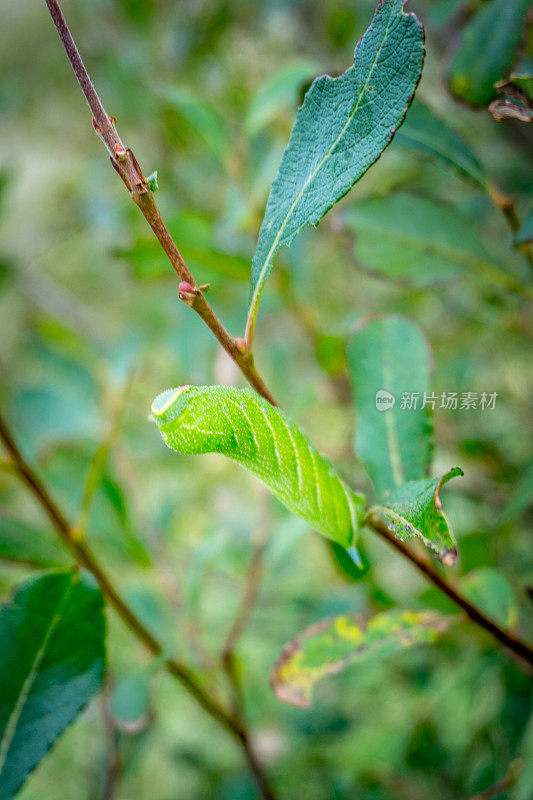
(28, 545)
(415, 509)
(405, 236)
(51, 664)
(277, 94)
(343, 126)
(488, 48)
(243, 426)
(390, 354)
(426, 133)
(489, 589)
(329, 646)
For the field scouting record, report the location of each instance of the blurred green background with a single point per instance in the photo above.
(206, 92)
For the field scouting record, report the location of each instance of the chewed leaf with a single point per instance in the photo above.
(415, 509)
(241, 425)
(341, 129)
(329, 646)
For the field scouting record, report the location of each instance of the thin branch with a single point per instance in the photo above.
(84, 555)
(127, 166)
(423, 565)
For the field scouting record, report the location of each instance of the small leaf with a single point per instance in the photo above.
(28, 545)
(341, 129)
(277, 93)
(329, 646)
(488, 48)
(243, 426)
(151, 180)
(426, 133)
(415, 509)
(390, 355)
(415, 237)
(489, 589)
(51, 664)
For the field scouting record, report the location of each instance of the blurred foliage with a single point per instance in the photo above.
(86, 298)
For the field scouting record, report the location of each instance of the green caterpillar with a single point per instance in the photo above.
(241, 425)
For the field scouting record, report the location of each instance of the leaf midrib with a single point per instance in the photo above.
(397, 467)
(14, 717)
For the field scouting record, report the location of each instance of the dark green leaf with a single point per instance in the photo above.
(51, 664)
(415, 509)
(426, 133)
(243, 426)
(343, 126)
(390, 355)
(488, 48)
(329, 646)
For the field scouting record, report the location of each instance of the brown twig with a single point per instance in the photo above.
(127, 166)
(84, 555)
(424, 565)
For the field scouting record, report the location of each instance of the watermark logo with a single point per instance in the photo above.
(384, 400)
(450, 401)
